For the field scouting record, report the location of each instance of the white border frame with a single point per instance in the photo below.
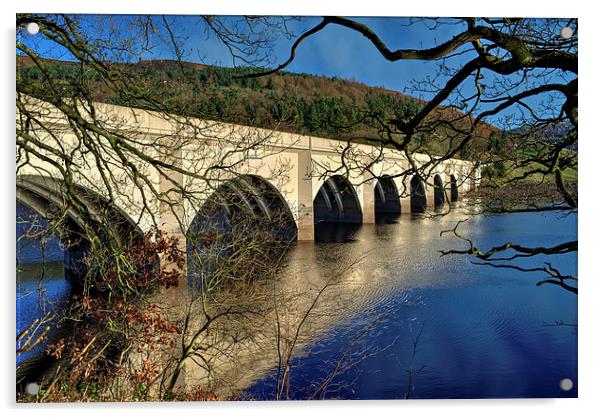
(590, 348)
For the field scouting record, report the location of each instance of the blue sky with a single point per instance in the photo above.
(337, 51)
(334, 51)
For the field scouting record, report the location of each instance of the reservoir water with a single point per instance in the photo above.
(480, 332)
(405, 322)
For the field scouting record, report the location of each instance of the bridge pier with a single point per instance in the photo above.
(368, 210)
(405, 196)
(305, 200)
(171, 216)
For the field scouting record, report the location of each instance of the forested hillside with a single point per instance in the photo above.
(301, 103)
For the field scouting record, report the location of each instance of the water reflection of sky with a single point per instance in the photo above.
(41, 287)
(488, 333)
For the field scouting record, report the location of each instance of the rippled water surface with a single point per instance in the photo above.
(414, 324)
(478, 332)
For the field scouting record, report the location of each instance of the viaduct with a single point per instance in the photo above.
(314, 180)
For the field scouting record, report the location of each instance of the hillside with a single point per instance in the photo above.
(301, 103)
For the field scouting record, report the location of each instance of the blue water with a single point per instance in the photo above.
(486, 333)
(41, 286)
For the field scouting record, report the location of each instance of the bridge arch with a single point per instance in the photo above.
(438, 191)
(453, 187)
(387, 205)
(248, 198)
(418, 200)
(337, 202)
(242, 210)
(44, 195)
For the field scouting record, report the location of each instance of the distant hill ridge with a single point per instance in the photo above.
(294, 102)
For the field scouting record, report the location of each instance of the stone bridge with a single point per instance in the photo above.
(315, 180)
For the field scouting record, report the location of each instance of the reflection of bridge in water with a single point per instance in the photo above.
(289, 179)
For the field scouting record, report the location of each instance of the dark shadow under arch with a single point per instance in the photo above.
(337, 202)
(439, 191)
(337, 211)
(246, 210)
(387, 207)
(417, 195)
(453, 188)
(46, 197)
(247, 198)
